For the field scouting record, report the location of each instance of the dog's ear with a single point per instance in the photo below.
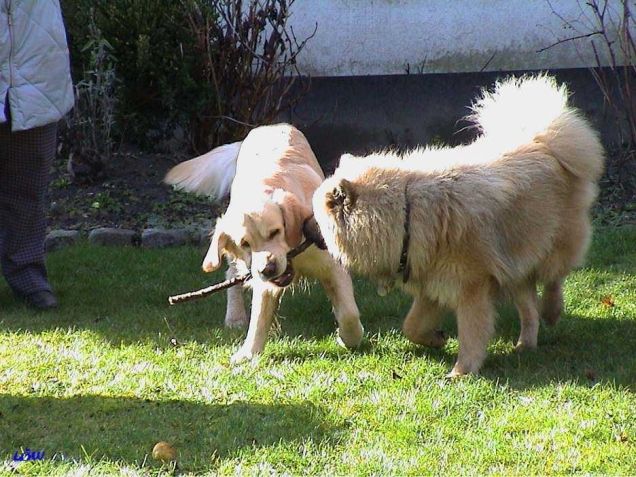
(294, 215)
(343, 196)
(212, 259)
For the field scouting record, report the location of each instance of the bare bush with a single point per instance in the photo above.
(610, 26)
(248, 57)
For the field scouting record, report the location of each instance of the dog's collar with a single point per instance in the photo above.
(404, 268)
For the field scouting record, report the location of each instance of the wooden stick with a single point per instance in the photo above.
(203, 292)
(195, 295)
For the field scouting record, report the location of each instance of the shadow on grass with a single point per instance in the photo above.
(121, 295)
(125, 429)
(580, 349)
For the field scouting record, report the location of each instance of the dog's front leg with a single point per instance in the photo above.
(339, 289)
(235, 314)
(265, 299)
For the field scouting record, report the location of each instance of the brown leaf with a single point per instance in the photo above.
(608, 301)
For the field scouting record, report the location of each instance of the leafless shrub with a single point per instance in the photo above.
(248, 57)
(610, 27)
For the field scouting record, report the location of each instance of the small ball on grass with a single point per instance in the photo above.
(164, 452)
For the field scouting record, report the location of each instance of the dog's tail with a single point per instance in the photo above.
(210, 174)
(535, 109)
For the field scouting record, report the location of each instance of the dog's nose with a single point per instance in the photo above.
(270, 270)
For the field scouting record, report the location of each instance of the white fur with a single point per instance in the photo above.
(518, 109)
(210, 174)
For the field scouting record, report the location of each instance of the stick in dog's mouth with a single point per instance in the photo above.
(312, 237)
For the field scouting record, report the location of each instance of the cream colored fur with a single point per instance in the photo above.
(273, 174)
(503, 214)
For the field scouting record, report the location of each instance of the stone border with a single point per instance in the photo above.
(147, 238)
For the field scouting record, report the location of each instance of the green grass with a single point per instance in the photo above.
(98, 382)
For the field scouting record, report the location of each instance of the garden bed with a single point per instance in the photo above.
(132, 196)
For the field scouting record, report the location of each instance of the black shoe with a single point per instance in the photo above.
(41, 300)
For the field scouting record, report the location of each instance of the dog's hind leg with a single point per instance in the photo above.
(525, 298)
(552, 302)
(265, 299)
(476, 325)
(421, 325)
(339, 289)
(235, 313)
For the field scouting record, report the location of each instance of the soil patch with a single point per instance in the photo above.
(132, 196)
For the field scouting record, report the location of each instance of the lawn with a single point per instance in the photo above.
(95, 384)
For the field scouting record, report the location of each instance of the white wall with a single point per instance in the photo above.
(372, 37)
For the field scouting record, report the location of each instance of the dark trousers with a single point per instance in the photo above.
(25, 162)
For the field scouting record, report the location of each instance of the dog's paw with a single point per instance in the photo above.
(456, 373)
(350, 337)
(461, 370)
(522, 346)
(243, 355)
(237, 321)
(551, 316)
(432, 339)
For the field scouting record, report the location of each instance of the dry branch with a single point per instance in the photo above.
(616, 81)
(249, 55)
(203, 292)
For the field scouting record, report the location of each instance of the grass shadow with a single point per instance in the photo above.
(125, 429)
(122, 295)
(580, 349)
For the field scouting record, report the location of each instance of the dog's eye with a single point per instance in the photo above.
(274, 233)
(244, 244)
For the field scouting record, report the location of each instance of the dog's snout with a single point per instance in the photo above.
(269, 271)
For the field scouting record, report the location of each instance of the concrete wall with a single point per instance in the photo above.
(365, 113)
(361, 98)
(382, 37)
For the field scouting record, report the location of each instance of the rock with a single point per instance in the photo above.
(111, 236)
(57, 239)
(159, 238)
(200, 236)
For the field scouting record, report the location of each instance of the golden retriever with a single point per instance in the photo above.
(272, 174)
(455, 227)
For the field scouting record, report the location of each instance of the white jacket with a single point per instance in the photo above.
(34, 63)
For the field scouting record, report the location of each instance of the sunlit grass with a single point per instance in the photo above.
(96, 383)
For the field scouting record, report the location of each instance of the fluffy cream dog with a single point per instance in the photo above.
(272, 174)
(457, 226)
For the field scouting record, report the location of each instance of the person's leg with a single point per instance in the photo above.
(25, 162)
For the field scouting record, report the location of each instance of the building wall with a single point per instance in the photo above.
(400, 73)
(358, 114)
(386, 37)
